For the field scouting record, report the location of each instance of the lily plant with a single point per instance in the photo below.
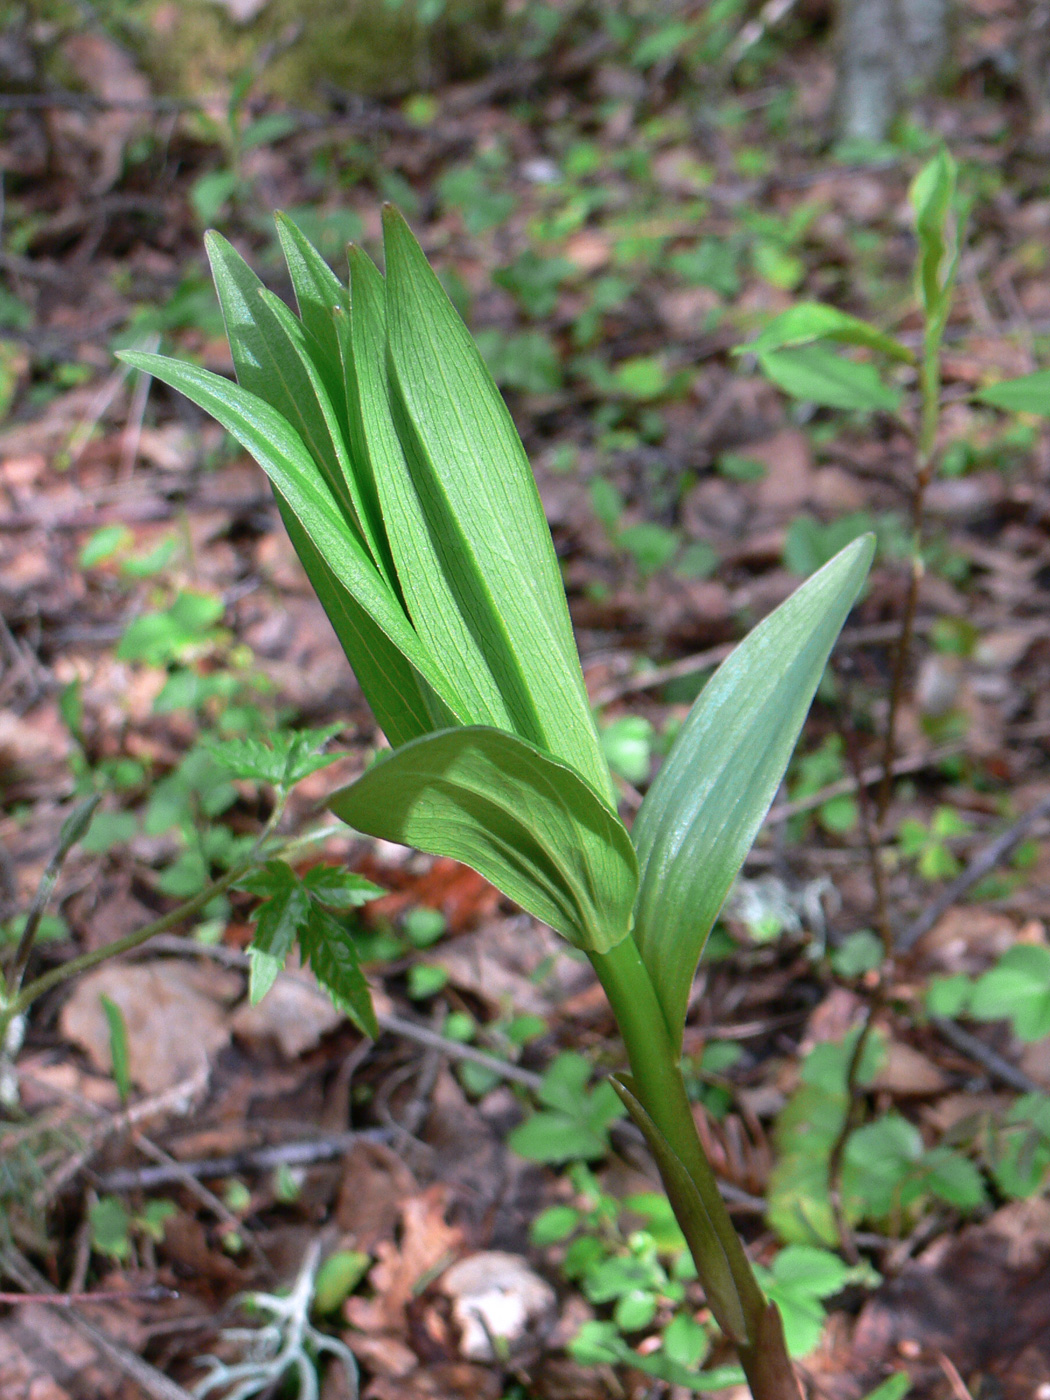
(408, 496)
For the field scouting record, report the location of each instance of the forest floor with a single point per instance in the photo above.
(612, 227)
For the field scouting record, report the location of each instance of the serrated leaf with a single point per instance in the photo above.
(818, 375)
(705, 807)
(285, 908)
(328, 948)
(483, 511)
(274, 444)
(1028, 394)
(812, 320)
(340, 889)
(527, 823)
(289, 756)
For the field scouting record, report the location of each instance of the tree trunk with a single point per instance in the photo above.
(889, 52)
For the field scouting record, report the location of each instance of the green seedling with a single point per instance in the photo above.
(113, 1227)
(1016, 989)
(405, 489)
(574, 1123)
(928, 846)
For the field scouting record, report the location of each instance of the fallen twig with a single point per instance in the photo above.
(998, 1067)
(981, 865)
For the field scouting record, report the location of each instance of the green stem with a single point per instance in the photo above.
(18, 1005)
(659, 1087)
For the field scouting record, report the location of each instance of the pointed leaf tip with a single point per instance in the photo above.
(707, 803)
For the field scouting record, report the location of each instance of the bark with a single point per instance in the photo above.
(889, 53)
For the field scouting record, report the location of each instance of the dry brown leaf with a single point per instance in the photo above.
(906, 1071)
(42, 1357)
(375, 1181)
(295, 1013)
(426, 1245)
(966, 939)
(174, 1013)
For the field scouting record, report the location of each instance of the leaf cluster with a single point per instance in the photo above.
(408, 496)
(305, 909)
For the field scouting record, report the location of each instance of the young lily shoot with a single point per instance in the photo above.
(407, 494)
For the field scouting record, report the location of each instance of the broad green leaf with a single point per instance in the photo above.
(1029, 394)
(1018, 989)
(329, 949)
(270, 356)
(421, 566)
(812, 320)
(404, 705)
(275, 445)
(705, 807)
(483, 510)
(932, 193)
(523, 820)
(821, 376)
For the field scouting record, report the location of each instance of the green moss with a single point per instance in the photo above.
(371, 47)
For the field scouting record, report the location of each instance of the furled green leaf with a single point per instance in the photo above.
(403, 703)
(932, 195)
(483, 510)
(280, 452)
(705, 807)
(421, 565)
(1029, 394)
(822, 376)
(270, 356)
(519, 817)
(318, 294)
(812, 320)
(328, 948)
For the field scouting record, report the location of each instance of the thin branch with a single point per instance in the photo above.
(986, 1057)
(305, 1153)
(73, 828)
(156, 1385)
(866, 778)
(981, 865)
(714, 656)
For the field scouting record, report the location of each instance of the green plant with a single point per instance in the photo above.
(888, 1173)
(927, 845)
(113, 1227)
(1016, 989)
(574, 1123)
(405, 489)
